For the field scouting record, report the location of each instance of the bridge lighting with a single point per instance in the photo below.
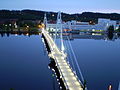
(39, 33)
(41, 26)
(93, 29)
(53, 15)
(60, 87)
(60, 76)
(27, 34)
(110, 87)
(16, 34)
(53, 70)
(10, 24)
(61, 62)
(48, 67)
(117, 27)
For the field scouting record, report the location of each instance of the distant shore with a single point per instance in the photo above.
(34, 15)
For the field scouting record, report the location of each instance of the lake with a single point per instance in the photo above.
(24, 62)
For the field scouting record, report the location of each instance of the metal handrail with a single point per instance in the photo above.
(55, 58)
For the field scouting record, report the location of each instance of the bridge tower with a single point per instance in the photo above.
(59, 29)
(45, 21)
(69, 24)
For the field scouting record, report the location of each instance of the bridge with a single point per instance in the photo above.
(68, 76)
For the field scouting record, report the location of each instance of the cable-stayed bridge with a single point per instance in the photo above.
(67, 72)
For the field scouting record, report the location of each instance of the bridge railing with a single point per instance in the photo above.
(53, 43)
(74, 74)
(65, 82)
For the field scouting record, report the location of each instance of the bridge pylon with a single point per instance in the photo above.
(45, 21)
(60, 29)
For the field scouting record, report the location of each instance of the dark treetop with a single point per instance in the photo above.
(38, 15)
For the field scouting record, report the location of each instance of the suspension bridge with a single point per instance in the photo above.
(67, 74)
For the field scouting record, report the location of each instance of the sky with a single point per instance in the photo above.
(66, 6)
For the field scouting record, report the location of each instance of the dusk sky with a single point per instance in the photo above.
(67, 6)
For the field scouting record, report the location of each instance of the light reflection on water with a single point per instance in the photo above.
(97, 55)
(98, 58)
(24, 64)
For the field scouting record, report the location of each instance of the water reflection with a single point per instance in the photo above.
(103, 64)
(84, 35)
(18, 33)
(96, 53)
(110, 36)
(55, 70)
(72, 36)
(23, 65)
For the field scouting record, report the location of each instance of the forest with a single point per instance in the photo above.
(39, 15)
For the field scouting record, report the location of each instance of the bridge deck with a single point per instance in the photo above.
(69, 78)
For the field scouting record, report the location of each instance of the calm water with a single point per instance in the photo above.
(99, 61)
(24, 62)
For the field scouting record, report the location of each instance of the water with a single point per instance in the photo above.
(99, 61)
(98, 57)
(24, 62)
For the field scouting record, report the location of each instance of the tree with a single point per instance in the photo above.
(111, 29)
(118, 29)
(110, 32)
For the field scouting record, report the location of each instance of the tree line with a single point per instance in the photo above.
(39, 15)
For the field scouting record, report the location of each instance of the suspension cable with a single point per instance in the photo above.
(75, 59)
(70, 58)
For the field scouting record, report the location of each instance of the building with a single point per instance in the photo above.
(103, 24)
